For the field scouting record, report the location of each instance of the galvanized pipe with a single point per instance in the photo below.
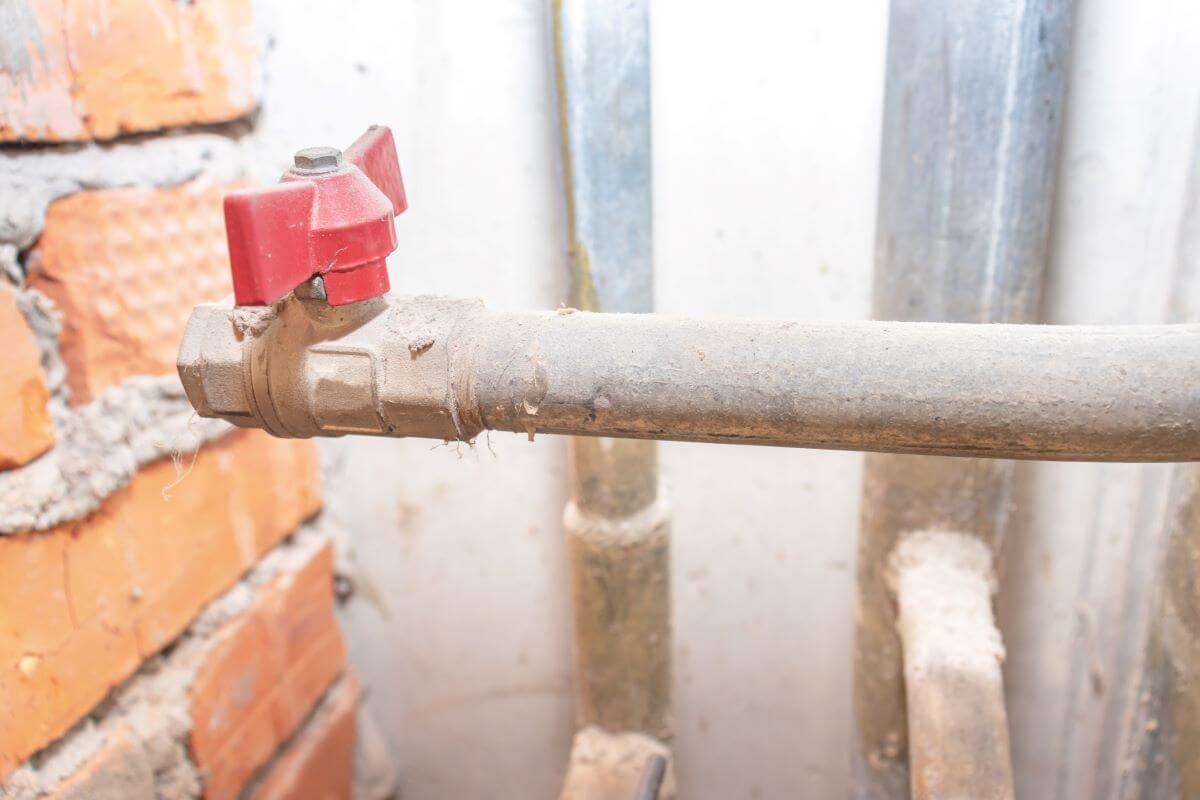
(449, 369)
(1062, 393)
(1158, 751)
(602, 76)
(971, 125)
(617, 522)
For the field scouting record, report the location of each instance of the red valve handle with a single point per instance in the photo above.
(330, 215)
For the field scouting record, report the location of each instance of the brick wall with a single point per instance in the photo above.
(167, 613)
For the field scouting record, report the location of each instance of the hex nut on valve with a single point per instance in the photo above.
(212, 361)
(317, 160)
(303, 368)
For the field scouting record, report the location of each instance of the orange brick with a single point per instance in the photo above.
(83, 604)
(25, 428)
(319, 764)
(96, 70)
(264, 674)
(125, 266)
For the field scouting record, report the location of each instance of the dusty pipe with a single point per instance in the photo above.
(944, 582)
(617, 522)
(613, 766)
(971, 124)
(1158, 752)
(449, 369)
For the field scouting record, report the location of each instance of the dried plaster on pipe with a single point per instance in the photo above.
(958, 739)
(646, 527)
(608, 766)
(151, 709)
(944, 583)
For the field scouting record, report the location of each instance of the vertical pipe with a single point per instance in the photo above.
(971, 123)
(1178, 632)
(944, 584)
(1161, 748)
(617, 523)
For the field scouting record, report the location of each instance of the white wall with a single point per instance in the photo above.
(766, 142)
(766, 139)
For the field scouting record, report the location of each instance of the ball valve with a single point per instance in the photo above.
(356, 359)
(329, 216)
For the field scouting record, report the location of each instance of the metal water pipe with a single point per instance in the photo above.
(449, 369)
(1155, 749)
(972, 116)
(617, 521)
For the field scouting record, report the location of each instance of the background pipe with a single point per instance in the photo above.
(972, 115)
(944, 583)
(1177, 630)
(1158, 754)
(617, 522)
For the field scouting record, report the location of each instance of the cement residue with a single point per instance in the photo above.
(151, 709)
(944, 584)
(608, 766)
(20, 38)
(99, 448)
(649, 526)
(251, 320)
(30, 180)
(10, 267)
(151, 712)
(101, 445)
(44, 321)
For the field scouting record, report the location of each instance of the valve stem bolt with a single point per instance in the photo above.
(317, 160)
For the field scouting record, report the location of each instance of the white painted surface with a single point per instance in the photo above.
(766, 141)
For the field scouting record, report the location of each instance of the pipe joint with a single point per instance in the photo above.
(390, 366)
